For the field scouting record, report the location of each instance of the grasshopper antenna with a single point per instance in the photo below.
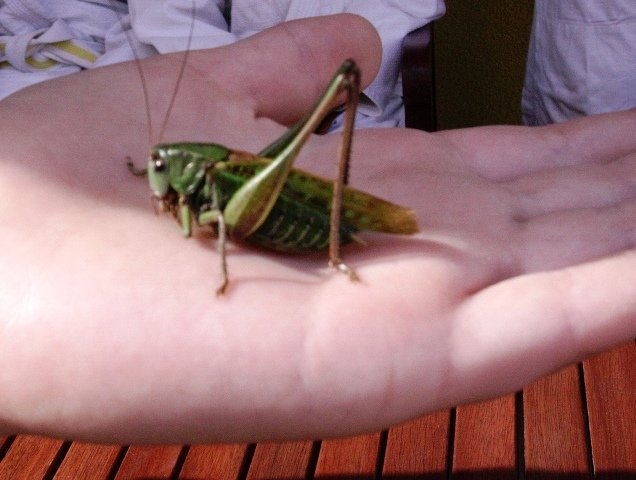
(184, 62)
(144, 83)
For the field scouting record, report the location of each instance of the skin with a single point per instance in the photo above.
(109, 326)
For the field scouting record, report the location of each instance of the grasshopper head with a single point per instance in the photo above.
(175, 171)
(158, 170)
(158, 174)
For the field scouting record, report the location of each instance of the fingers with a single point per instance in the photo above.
(574, 214)
(585, 186)
(284, 69)
(574, 236)
(507, 152)
(533, 324)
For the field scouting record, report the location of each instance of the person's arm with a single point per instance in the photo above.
(109, 326)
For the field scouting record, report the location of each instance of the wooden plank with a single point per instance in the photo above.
(30, 458)
(88, 461)
(154, 461)
(220, 462)
(554, 428)
(485, 439)
(610, 381)
(419, 448)
(285, 460)
(352, 457)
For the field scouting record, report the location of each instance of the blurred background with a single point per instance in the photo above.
(480, 54)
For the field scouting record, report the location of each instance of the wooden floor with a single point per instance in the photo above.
(577, 423)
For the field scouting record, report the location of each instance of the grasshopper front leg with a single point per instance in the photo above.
(185, 216)
(214, 215)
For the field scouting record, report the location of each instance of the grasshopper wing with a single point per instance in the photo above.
(360, 209)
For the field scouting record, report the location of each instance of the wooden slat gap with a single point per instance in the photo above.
(5, 446)
(520, 452)
(117, 463)
(247, 461)
(586, 421)
(379, 463)
(313, 460)
(178, 466)
(57, 460)
(450, 449)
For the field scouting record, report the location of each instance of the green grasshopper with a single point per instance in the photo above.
(263, 200)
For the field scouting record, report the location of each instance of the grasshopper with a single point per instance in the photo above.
(261, 199)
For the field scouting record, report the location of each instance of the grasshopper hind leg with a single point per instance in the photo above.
(351, 84)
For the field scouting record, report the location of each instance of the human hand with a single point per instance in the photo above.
(109, 326)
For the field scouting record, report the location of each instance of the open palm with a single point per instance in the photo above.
(109, 326)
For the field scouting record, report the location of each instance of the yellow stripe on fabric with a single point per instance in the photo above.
(69, 47)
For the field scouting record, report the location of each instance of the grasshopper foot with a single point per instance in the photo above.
(221, 290)
(343, 268)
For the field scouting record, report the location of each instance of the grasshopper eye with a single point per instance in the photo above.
(158, 165)
(155, 162)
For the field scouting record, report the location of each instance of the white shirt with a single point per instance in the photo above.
(167, 29)
(581, 60)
